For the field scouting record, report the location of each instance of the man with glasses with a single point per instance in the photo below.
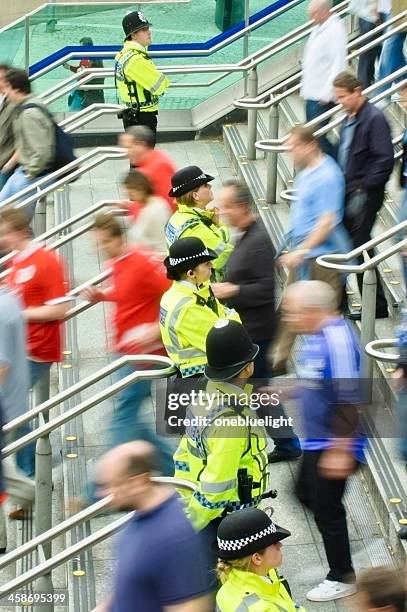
(138, 81)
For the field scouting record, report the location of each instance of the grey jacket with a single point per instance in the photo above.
(6, 132)
(34, 135)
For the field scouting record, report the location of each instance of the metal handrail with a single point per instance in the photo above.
(57, 229)
(277, 144)
(244, 65)
(45, 407)
(249, 103)
(181, 53)
(84, 515)
(371, 349)
(105, 153)
(70, 124)
(72, 551)
(329, 261)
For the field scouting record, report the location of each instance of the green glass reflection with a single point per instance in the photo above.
(55, 26)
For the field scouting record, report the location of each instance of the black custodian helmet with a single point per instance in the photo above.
(134, 21)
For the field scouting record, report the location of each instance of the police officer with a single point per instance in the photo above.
(192, 190)
(223, 451)
(188, 310)
(139, 82)
(250, 551)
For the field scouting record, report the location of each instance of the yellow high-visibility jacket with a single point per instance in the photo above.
(187, 222)
(215, 446)
(247, 591)
(187, 314)
(139, 82)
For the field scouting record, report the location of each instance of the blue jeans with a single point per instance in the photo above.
(4, 177)
(128, 423)
(391, 58)
(18, 181)
(314, 109)
(367, 60)
(25, 457)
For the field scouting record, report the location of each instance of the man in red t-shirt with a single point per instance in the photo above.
(138, 283)
(37, 275)
(138, 140)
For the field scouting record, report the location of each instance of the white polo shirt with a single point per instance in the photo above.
(324, 57)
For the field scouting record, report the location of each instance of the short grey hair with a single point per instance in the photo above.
(242, 193)
(313, 294)
(142, 133)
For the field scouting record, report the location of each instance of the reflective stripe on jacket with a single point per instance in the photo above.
(216, 445)
(186, 317)
(187, 221)
(135, 69)
(248, 592)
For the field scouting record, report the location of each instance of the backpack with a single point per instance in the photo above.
(64, 153)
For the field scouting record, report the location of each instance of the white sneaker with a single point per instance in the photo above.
(329, 590)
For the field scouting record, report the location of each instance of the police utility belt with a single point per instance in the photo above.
(134, 109)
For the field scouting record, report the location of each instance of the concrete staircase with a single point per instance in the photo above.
(385, 476)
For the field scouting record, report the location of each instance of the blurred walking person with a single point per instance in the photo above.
(160, 557)
(138, 281)
(34, 137)
(148, 213)
(324, 57)
(366, 157)
(315, 226)
(381, 589)
(333, 446)
(249, 289)
(368, 17)
(6, 130)
(155, 164)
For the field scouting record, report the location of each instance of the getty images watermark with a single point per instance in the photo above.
(198, 405)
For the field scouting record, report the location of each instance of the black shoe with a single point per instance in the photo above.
(403, 533)
(280, 454)
(356, 315)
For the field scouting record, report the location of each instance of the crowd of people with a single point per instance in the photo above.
(193, 278)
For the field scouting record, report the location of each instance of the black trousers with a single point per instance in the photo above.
(324, 498)
(359, 228)
(148, 119)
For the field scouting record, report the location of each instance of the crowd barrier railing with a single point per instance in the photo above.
(41, 435)
(44, 568)
(339, 263)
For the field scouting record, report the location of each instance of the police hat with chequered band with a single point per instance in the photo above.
(187, 253)
(245, 532)
(134, 21)
(187, 179)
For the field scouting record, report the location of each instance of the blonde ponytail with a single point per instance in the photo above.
(224, 567)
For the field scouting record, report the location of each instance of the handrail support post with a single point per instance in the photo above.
(367, 331)
(252, 115)
(41, 216)
(43, 490)
(272, 157)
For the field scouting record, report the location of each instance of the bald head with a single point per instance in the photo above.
(130, 459)
(319, 10)
(312, 294)
(125, 473)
